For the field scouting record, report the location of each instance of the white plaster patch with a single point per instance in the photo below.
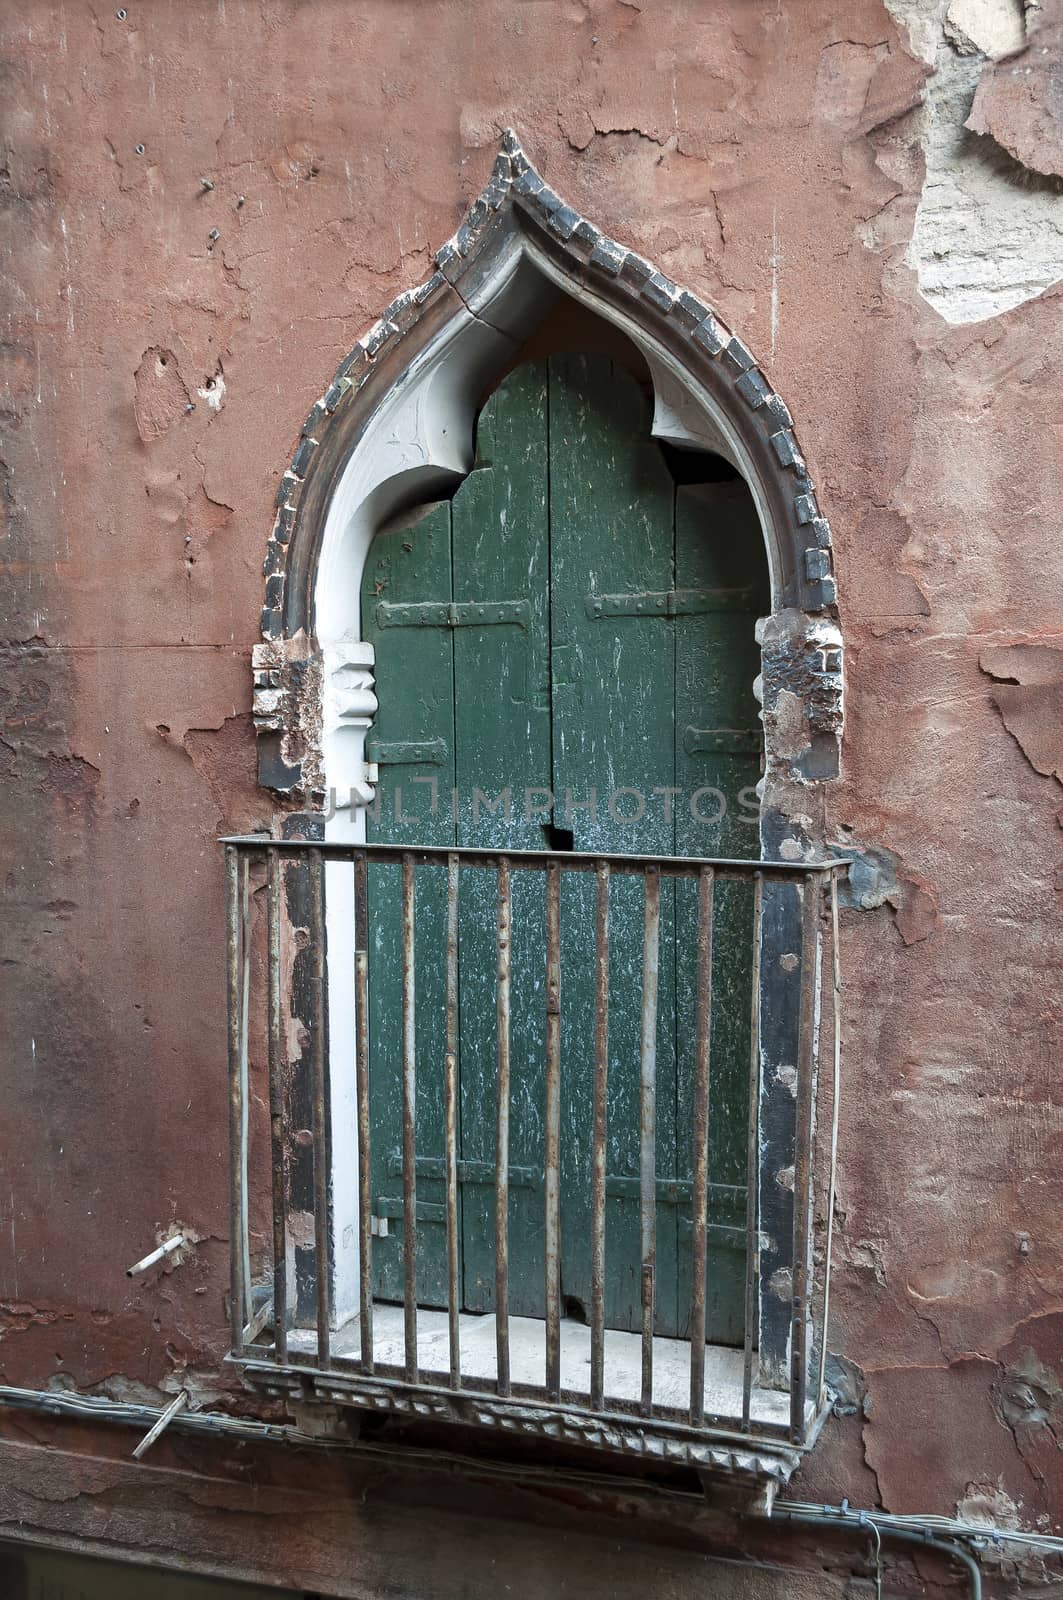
(213, 391)
(983, 241)
(995, 27)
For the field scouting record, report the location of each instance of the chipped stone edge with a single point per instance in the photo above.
(760, 1465)
(515, 183)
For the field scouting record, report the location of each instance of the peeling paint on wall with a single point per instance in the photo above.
(988, 231)
(776, 164)
(1030, 700)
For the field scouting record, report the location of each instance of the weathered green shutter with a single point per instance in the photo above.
(611, 531)
(412, 739)
(718, 742)
(572, 622)
(502, 553)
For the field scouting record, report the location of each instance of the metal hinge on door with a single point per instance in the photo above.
(407, 752)
(668, 603)
(723, 741)
(432, 1167)
(453, 613)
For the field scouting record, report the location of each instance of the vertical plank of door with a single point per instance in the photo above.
(501, 678)
(611, 530)
(415, 688)
(718, 546)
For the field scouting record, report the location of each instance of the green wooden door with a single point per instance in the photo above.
(572, 624)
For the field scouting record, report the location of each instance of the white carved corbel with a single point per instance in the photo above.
(350, 705)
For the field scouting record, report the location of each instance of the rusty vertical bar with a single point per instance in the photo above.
(598, 1135)
(409, 1122)
(502, 1131)
(836, 988)
(276, 1106)
(245, 1025)
(552, 1135)
(752, 1260)
(700, 1166)
(361, 1089)
(319, 1109)
(811, 898)
(237, 1162)
(245, 1096)
(450, 1135)
(651, 939)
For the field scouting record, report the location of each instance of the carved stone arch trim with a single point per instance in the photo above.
(355, 466)
(517, 212)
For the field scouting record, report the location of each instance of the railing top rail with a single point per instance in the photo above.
(535, 860)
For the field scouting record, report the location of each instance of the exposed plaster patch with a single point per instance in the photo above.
(984, 241)
(867, 1254)
(70, 780)
(160, 395)
(847, 1383)
(213, 391)
(874, 880)
(225, 759)
(1031, 1395)
(1030, 700)
(991, 28)
(989, 1505)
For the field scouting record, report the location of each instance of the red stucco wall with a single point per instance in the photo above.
(770, 157)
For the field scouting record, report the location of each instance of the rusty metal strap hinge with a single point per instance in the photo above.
(670, 1191)
(670, 603)
(432, 1167)
(391, 1208)
(722, 741)
(453, 614)
(407, 752)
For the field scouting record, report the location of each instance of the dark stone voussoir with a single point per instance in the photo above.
(709, 335)
(564, 222)
(528, 184)
(689, 310)
(585, 236)
(302, 457)
(334, 394)
(736, 356)
(636, 271)
(754, 388)
(548, 202)
(661, 291)
(786, 448)
(608, 255)
(282, 528)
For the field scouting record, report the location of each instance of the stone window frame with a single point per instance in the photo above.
(314, 696)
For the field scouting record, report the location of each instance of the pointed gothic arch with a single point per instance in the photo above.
(396, 424)
(395, 428)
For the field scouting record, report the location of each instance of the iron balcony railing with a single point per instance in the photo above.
(586, 1383)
